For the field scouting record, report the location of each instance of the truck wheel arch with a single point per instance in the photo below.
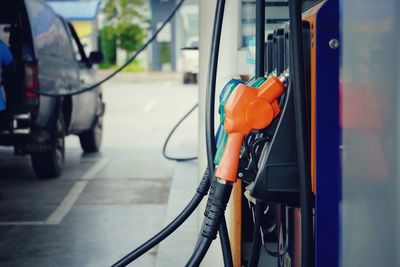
(67, 111)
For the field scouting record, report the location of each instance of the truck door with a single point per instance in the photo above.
(85, 104)
(70, 66)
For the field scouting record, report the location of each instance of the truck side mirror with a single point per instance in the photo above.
(96, 57)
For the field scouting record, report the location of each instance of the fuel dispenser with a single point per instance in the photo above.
(266, 138)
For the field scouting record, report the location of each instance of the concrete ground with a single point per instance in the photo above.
(108, 203)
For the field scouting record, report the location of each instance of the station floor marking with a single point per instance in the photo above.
(69, 200)
(66, 205)
(149, 106)
(17, 223)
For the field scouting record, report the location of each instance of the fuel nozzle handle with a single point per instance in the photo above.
(247, 109)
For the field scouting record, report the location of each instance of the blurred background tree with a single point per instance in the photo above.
(126, 22)
(108, 45)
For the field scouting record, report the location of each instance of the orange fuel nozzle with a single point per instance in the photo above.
(247, 109)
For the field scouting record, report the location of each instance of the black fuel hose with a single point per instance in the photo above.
(223, 230)
(225, 243)
(256, 244)
(201, 191)
(130, 60)
(164, 150)
(217, 203)
(259, 71)
(210, 173)
(211, 87)
(302, 134)
(210, 116)
(260, 38)
(199, 253)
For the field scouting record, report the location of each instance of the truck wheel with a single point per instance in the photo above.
(91, 139)
(186, 78)
(50, 164)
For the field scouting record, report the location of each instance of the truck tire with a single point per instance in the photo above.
(50, 164)
(91, 139)
(186, 78)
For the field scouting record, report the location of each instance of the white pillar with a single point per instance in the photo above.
(227, 69)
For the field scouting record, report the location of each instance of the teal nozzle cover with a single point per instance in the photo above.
(222, 136)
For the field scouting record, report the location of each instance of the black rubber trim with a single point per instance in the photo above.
(302, 134)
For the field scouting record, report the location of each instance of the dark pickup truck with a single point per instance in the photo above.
(48, 57)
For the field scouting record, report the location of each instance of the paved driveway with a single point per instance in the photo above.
(104, 204)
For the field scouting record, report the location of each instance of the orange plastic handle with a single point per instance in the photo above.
(247, 109)
(229, 164)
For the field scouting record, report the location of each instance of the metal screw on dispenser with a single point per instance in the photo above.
(333, 43)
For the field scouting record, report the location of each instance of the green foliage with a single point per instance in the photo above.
(165, 53)
(134, 67)
(127, 19)
(131, 37)
(105, 66)
(108, 44)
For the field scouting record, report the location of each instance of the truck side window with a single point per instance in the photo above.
(64, 42)
(44, 27)
(78, 56)
(76, 43)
